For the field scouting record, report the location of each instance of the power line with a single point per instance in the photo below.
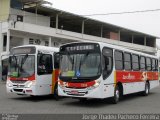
(128, 12)
(118, 13)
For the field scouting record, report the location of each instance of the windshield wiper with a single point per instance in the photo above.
(83, 60)
(16, 65)
(23, 61)
(21, 65)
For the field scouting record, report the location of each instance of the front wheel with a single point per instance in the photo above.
(116, 96)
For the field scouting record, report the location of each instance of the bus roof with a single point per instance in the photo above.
(40, 47)
(102, 44)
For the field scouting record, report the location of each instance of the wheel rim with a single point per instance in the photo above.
(117, 95)
(147, 89)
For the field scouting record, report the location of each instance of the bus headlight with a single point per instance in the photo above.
(9, 84)
(62, 84)
(29, 84)
(97, 83)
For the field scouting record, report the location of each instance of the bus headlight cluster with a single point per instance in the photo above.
(62, 84)
(29, 84)
(97, 83)
(9, 84)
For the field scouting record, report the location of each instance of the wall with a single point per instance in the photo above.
(16, 41)
(1, 47)
(4, 9)
(35, 39)
(30, 17)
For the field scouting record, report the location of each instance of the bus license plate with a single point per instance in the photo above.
(75, 92)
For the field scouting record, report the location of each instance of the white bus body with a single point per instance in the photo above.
(101, 70)
(31, 70)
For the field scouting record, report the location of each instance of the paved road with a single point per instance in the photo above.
(135, 103)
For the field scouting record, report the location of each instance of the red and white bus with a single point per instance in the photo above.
(101, 70)
(31, 70)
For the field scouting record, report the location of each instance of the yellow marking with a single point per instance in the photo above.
(53, 82)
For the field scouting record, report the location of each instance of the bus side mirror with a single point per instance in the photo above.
(56, 60)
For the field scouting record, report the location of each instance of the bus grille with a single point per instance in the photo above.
(76, 94)
(18, 90)
(19, 81)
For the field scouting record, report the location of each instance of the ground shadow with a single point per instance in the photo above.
(94, 103)
(37, 98)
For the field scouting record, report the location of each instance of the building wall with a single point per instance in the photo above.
(1, 47)
(4, 9)
(30, 17)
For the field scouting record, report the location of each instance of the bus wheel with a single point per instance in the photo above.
(56, 92)
(147, 89)
(116, 96)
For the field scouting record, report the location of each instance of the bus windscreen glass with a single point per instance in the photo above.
(80, 61)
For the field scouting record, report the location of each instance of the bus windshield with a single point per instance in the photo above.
(21, 66)
(83, 65)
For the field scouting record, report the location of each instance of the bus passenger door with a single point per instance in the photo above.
(44, 73)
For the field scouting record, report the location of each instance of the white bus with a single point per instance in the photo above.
(101, 70)
(31, 70)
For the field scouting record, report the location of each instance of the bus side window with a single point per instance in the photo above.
(135, 62)
(156, 67)
(127, 61)
(149, 64)
(45, 65)
(107, 62)
(142, 63)
(119, 64)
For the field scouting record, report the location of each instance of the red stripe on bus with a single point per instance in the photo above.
(78, 85)
(135, 76)
(26, 78)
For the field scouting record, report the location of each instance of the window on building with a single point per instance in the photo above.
(4, 40)
(135, 62)
(118, 60)
(31, 41)
(46, 43)
(20, 18)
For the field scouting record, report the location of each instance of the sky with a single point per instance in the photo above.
(146, 22)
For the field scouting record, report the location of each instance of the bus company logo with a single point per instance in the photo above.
(129, 76)
(144, 76)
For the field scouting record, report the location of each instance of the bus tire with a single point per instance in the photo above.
(147, 89)
(56, 92)
(116, 97)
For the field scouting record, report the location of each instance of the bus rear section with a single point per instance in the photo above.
(100, 70)
(31, 71)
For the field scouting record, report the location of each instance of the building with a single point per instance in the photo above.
(30, 22)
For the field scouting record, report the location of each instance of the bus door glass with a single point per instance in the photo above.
(107, 62)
